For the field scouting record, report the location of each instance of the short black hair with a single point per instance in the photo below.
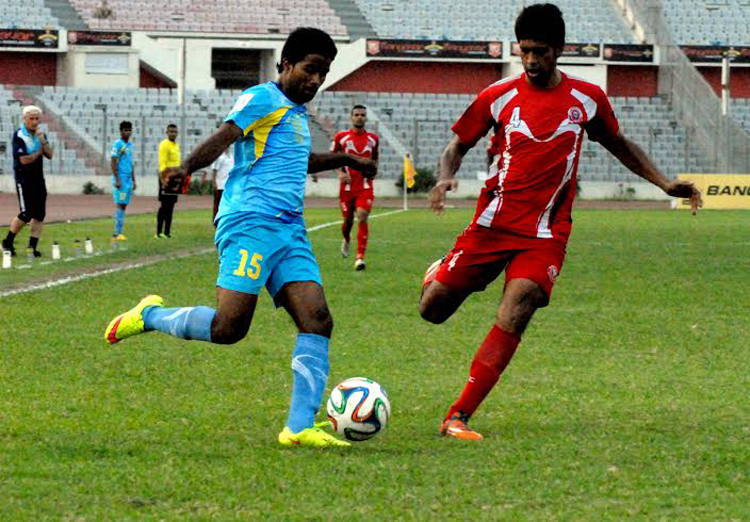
(171, 125)
(542, 23)
(307, 40)
(357, 107)
(125, 125)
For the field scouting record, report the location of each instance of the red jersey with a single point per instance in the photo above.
(365, 145)
(538, 138)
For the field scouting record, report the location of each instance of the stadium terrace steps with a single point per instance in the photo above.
(356, 24)
(588, 20)
(66, 14)
(422, 123)
(150, 111)
(720, 22)
(66, 159)
(27, 14)
(217, 16)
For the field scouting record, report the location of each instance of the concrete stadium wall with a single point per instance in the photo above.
(328, 187)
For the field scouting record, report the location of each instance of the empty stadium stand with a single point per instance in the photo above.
(218, 16)
(150, 111)
(67, 158)
(709, 22)
(421, 122)
(740, 110)
(26, 14)
(588, 20)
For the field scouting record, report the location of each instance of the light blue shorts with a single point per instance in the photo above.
(256, 250)
(122, 195)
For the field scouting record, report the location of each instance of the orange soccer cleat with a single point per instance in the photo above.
(455, 426)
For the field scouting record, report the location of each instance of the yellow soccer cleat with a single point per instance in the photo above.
(131, 322)
(122, 237)
(312, 437)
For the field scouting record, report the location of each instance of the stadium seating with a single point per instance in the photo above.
(26, 14)
(588, 20)
(716, 22)
(217, 16)
(422, 123)
(740, 110)
(415, 123)
(150, 111)
(67, 158)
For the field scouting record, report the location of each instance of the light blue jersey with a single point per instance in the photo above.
(270, 161)
(123, 152)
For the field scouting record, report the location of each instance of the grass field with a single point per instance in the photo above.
(627, 398)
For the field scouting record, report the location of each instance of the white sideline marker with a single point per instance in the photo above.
(72, 279)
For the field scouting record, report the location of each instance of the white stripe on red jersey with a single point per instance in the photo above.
(538, 134)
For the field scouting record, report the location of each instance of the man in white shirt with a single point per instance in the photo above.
(221, 168)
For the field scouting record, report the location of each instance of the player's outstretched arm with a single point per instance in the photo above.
(207, 151)
(320, 161)
(449, 164)
(634, 158)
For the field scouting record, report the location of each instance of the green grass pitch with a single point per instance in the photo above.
(627, 398)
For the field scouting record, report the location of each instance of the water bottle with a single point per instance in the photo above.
(77, 247)
(89, 246)
(30, 255)
(6, 259)
(55, 250)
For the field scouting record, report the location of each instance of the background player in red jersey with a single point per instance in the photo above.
(356, 191)
(522, 221)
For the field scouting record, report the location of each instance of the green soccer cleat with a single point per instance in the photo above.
(313, 437)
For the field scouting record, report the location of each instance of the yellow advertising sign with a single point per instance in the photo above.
(719, 191)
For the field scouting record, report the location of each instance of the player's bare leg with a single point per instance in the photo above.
(16, 225)
(306, 304)
(521, 298)
(234, 315)
(439, 301)
(363, 230)
(347, 209)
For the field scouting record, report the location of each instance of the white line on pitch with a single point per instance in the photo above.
(141, 264)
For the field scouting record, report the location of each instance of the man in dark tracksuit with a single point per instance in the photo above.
(29, 145)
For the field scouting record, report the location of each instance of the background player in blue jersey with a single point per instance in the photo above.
(260, 232)
(123, 176)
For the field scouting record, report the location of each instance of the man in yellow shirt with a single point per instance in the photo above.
(169, 156)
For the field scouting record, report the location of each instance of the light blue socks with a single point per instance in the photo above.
(119, 220)
(191, 323)
(310, 374)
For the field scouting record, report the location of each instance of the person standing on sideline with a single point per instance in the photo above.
(29, 145)
(123, 176)
(261, 235)
(169, 157)
(220, 171)
(356, 193)
(523, 216)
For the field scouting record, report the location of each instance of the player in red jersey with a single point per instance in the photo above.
(522, 221)
(356, 192)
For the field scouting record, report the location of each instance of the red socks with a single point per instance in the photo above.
(489, 362)
(362, 231)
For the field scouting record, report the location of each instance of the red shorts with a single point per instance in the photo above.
(350, 201)
(481, 253)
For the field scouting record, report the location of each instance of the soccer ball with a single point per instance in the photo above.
(358, 408)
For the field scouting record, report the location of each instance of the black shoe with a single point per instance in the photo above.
(37, 253)
(7, 245)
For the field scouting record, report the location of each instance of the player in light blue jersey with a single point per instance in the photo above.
(123, 176)
(260, 232)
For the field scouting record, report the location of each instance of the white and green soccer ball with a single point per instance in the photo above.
(358, 408)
